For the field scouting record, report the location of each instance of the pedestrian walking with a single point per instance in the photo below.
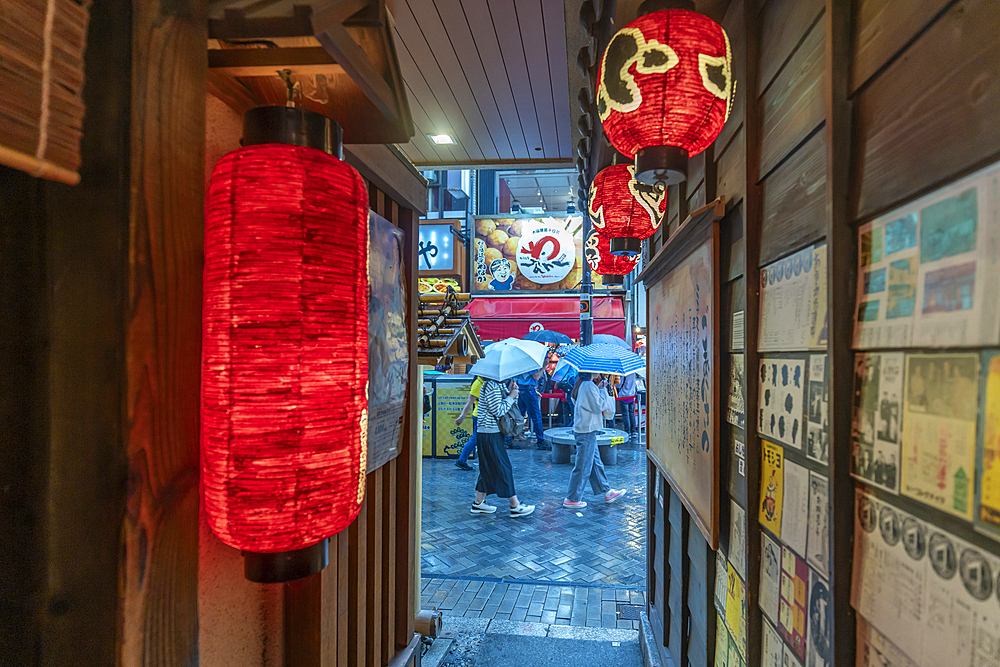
(626, 396)
(527, 403)
(473, 405)
(592, 404)
(495, 473)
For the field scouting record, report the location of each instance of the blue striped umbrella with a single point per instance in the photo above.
(604, 358)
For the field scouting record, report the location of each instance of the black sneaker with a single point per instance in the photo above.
(544, 446)
(463, 465)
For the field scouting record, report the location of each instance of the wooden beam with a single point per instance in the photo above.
(236, 96)
(339, 43)
(235, 25)
(266, 62)
(841, 277)
(390, 172)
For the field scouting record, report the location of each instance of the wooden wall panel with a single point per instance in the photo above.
(932, 114)
(882, 28)
(793, 106)
(733, 25)
(795, 201)
(783, 24)
(731, 177)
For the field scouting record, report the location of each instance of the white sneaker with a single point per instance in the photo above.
(522, 510)
(613, 494)
(482, 508)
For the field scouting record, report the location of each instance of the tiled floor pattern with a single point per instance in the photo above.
(601, 544)
(539, 604)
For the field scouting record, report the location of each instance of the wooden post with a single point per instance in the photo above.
(753, 221)
(841, 263)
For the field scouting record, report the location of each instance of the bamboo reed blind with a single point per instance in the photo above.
(41, 76)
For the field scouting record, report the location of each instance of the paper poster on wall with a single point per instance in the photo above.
(939, 430)
(736, 409)
(819, 652)
(721, 581)
(795, 507)
(388, 341)
(735, 659)
(738, 467)
(771, 485)
(817, 308)
(739, 335)
(877, 418)
(736, 611)
(818, 542)
(786, 294)
(738, 539)
(770, 576)
(721, 642)
(789, 660)
(987, 516)
(928, 591)
(779, 403)
(925, 269)
(874, 650)
(818, 435)
(771, 646)
(792, 603)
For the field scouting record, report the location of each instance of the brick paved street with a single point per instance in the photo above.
(557, 566)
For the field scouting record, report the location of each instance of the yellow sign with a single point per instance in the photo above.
(736, 610)
(449, 438)
(618, 440)
(771, 484)
(988, 515)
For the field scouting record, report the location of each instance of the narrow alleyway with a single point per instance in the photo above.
(558, 574)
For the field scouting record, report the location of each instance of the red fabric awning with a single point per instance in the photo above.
(497, 318)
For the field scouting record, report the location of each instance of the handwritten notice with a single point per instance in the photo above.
(779, 403)
(795, 507)
(818, 320)
(683, 384)
(770, 576)
(926, 590)
(786, 294)
(818, 542)
(772, 482)
(988, 448)
(877, 418)
(939, 430)
(925, 269)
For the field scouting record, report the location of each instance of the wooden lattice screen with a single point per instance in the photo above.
(41, 76)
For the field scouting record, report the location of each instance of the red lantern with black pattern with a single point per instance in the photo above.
(665, 89)
(623, 210)
(284, 345)
(613, 268)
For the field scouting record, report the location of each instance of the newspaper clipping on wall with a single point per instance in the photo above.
(876, 427)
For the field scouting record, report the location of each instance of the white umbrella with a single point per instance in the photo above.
(510, 357)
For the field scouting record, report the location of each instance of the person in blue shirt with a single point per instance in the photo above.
(527, 403)
(502, 274)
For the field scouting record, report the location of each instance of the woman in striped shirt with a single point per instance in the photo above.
(495, 473)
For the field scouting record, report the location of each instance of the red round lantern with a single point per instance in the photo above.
(623, 210)
(597, 251)
(665, 89)
(285, 347)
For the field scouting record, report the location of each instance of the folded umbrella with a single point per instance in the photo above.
(509, 358)
(548, 336)
(604, 358)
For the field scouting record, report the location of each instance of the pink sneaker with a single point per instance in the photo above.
(613, 494)
(574, 504)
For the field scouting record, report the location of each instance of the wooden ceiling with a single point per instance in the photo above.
(491, 73)
(551, 189)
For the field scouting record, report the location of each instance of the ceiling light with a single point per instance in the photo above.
(441, 139)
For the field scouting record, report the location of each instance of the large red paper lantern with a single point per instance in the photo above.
(623, 210)
(285, 345)
(613, 268)
(665, 89)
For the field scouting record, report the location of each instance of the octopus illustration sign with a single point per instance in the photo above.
(546, 253)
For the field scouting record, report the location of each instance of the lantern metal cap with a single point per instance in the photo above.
(625, 246)
(612, 279)
(292, 125)
(663, 165)
(286, 565)
(650, 6)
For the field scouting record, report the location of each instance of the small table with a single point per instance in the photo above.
(564, 441)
